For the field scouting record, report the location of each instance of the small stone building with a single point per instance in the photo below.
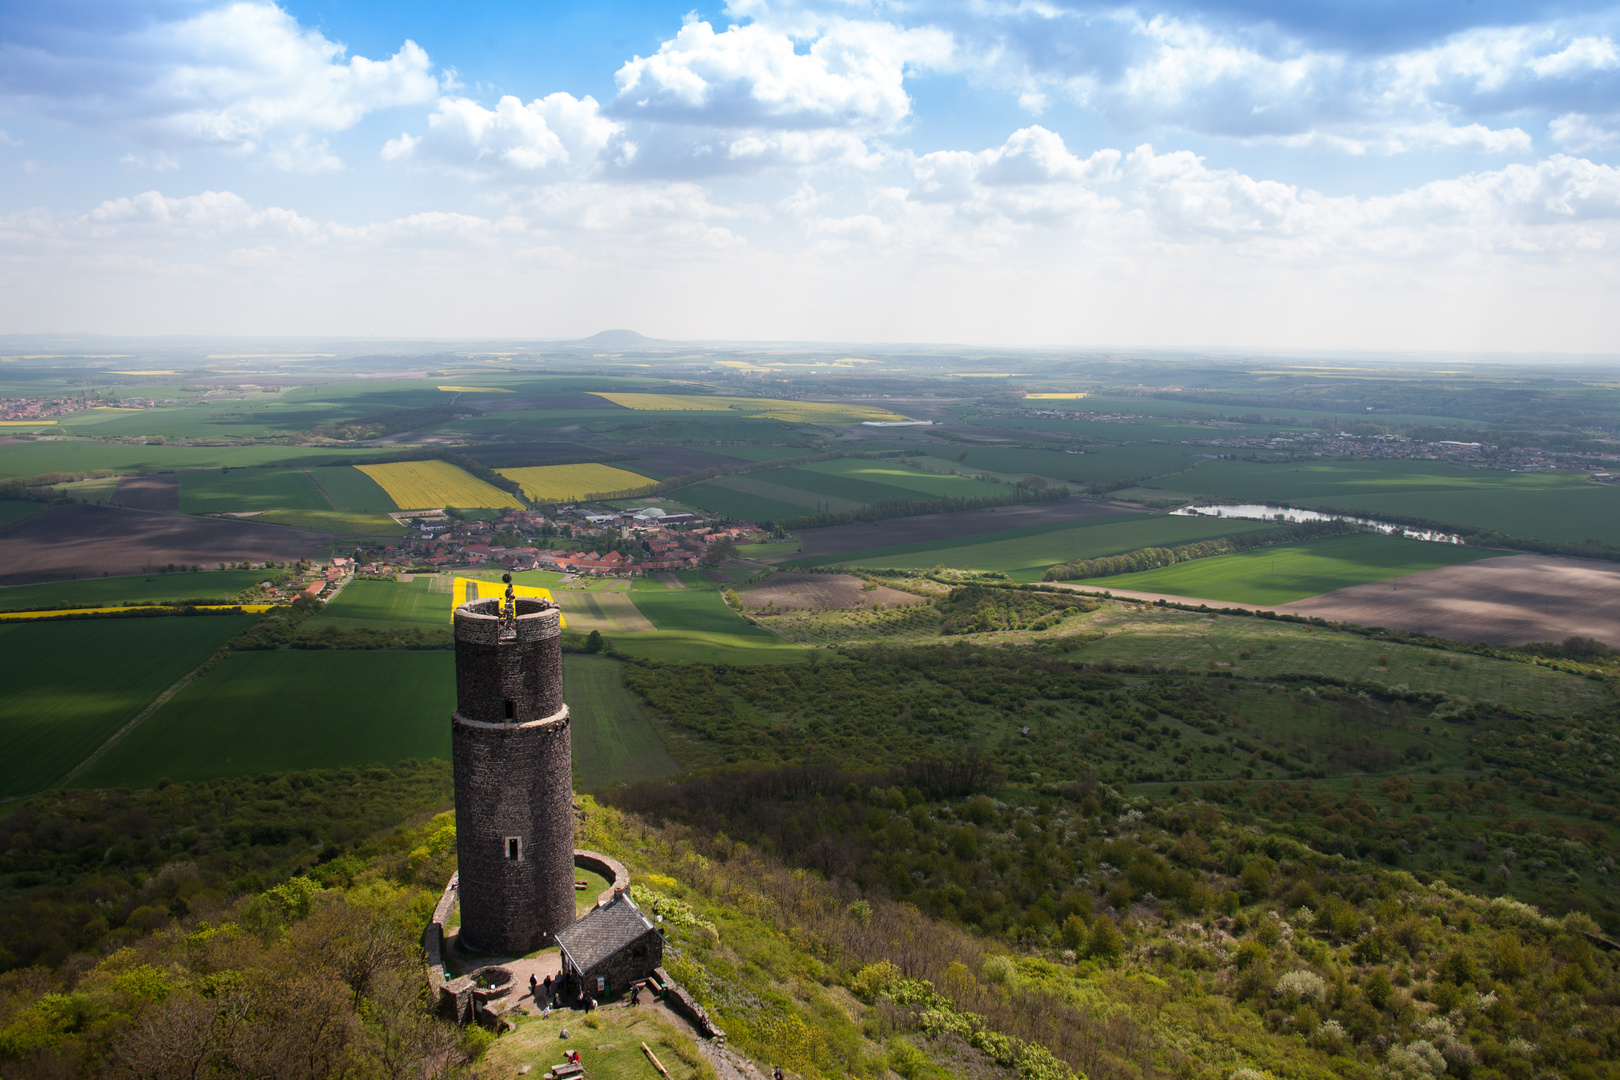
(615, 943)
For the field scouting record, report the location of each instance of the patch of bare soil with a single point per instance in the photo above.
(79, 538)
(1506, 601)
(836, 539)
(823, 592)
(149, 491)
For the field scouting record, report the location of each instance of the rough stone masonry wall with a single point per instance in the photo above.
(513, 778)
(632, 963)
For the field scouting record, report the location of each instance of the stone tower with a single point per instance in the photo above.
(514, 777)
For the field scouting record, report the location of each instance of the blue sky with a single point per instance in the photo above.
(1250, 173)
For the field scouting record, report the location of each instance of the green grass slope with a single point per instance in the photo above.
(1279, 575)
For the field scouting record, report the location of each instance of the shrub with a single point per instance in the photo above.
(1418, 1060)
(1304, 986)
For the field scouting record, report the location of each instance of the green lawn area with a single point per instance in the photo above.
(144, 588)
(351, 490)
(1288, 572)
(388, 604)
(614, 741)
(65, 687)
(213, 491)
(264, 712)
(1026, 553)
(1560, 507)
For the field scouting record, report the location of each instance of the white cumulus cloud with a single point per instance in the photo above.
(551, 137)
(851, 75)
(244, 76)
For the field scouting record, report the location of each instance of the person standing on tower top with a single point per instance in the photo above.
(509, 612)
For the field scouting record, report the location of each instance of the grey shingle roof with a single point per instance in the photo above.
(604, 931)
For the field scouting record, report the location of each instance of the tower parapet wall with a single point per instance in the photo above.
(510, 741)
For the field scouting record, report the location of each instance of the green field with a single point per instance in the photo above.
(65, 687)
(142, 588)
(34, 458)
(351, 490)
(877, 481)
(695, 626)
(1169, 638)
(402, 604)
(1098, 464)
(614, 741)
(215, 491)
(334, 521)
(1560, 507)
(276, 711)
(1029, 551)
(1288, 572)
(724, 501)
(262, 712)
(16, 509)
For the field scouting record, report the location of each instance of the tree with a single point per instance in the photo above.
(719, 551)
(594, 642)
(1104, 942)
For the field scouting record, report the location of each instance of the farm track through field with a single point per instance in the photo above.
(324, 493)
(136, 721)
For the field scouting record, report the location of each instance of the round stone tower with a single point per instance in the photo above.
(514, 777)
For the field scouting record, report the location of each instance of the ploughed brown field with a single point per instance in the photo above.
(87, 540)
(1506, 601)
(149, 491)
(825, 592)
(836, 539)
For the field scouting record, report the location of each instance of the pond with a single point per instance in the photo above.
(1273, 512)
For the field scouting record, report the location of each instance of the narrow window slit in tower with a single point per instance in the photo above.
(514, 849)
(511, 709)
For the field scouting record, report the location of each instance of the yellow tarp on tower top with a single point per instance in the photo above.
(463, 589)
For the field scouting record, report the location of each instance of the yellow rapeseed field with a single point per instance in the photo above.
(799, 412)
(565, 483)
(1053, 397)
(421, 485)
